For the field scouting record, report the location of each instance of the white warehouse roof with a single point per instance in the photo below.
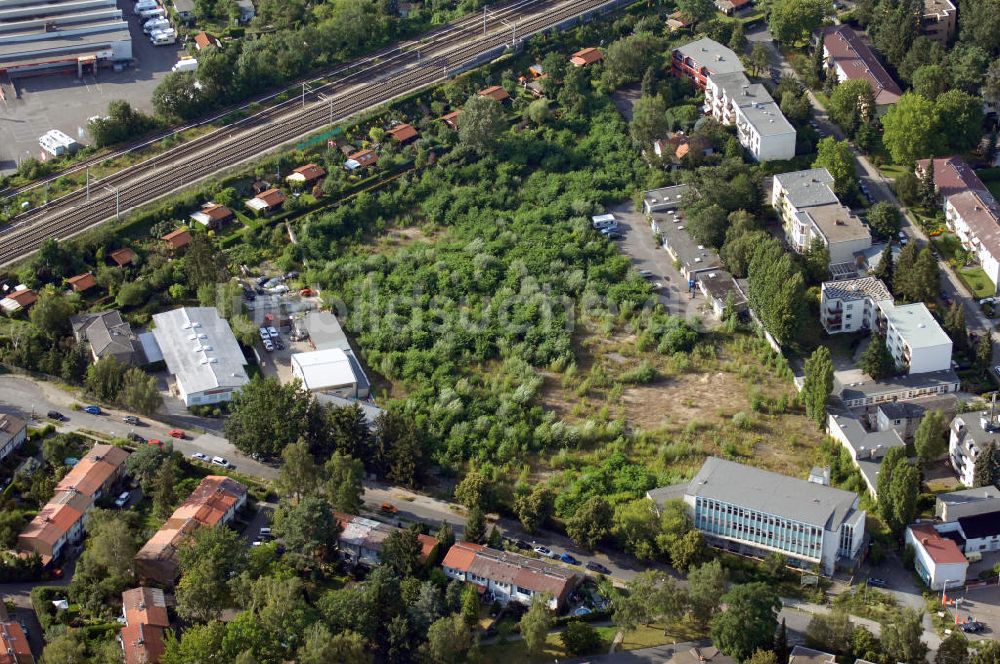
(200, 349)
(323, 369)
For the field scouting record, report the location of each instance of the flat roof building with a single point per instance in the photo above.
(201, 353)
(664, 198)
(938, 20)
(75, 35)
(866, 392)
(954, 505)
(324, 331)
(333, 371)
(756, 512)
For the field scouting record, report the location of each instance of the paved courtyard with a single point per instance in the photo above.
(61, 101)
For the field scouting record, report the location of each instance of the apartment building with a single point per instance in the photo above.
(214, 502)
(850, 59)
(866, 448)
(810, 210)
(939, 20)
(968, 436)
(914, 338)
(733, 100)
(756, 512)
(509, 577)
(63, 519)
(144, 611)
(954, 505)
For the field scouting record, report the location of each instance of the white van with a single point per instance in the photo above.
(163, 37)
(144, 5)
(187, 64)
(156, 25)
(148, 14)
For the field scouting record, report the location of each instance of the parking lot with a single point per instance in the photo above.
(639, 244)
(273, 312)
(62, 101)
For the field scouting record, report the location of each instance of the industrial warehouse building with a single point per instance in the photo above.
(80, 35)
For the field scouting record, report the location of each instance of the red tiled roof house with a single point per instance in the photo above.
(306, 176)
(361, 160)
(178, 239)
(509, 577)
(586, 56)
(214, 502)
(124, 256)
(402, 133)
(267, 201)
(494, 92)
(14, 645)
(213, 216)
(451, 119)
(145, 613)
(82, 282)
(21, 298)
(851, 59)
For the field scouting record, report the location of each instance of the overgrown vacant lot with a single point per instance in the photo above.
(730, 397)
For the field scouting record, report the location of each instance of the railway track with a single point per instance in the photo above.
(229, 146)
(496, 11)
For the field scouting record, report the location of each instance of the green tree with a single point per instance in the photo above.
(697, 10)
(707, 223)
(792, 21)
(911, 129)
(580, 638)
(763, 657)
(299, 475)
(627, 59)
(954, 649)
(759, 59)
(482, 123)
(105, 378)
(877, 361)
(738, 38)
(836, 157)
(818, 384)
(901, 637)
(344, 486)
(650, 596)
(475, 526)
(904, 490)
(178, 98)
(265, 416)
(470, 605)
(649, 121)
(538, 111)
(884, 220)
(139, 392)
(931, 81)
(308, 528)
(688, 550)
(985, 471)
(931, 437)
(781, 648)
(954, 325)
(533, 508)
(66, 646)
(207, 559)
(476, 490)
(50, 313)
(105, 568)
(706, 586)
(11, 525)
(984, 353)
(852, 104)
(894, 457)
(163, 494)
(591, 523)
(200, 643)
(963, 129)
(320, 646)
(401, 552)
(448, 640)
(829, 632)
(987, 653)
(144, 464)
(749, 621)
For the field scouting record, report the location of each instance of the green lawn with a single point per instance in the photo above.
(994, 187)
(976, 280)
(892, 171)
(641, 637)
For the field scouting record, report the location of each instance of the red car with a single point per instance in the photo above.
(156, 441)
(177, 433)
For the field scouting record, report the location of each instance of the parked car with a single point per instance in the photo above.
(135, 438)
(598, 567)
(57, 416)
(265, 533)
(157, 442)
(264, 334)
(646, 274)
(988, 300)
(92, 410)
(388, 508)
(122, 500)
(130, 419)
(613, 236)
(221, 461)
(521, 545)
(178, 433)
(973, 626)
(876, 582)
(544, 551)
(199, 456)
(568, 559)
(273, 332)
(268, 346)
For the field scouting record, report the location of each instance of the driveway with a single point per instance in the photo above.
(639, 244)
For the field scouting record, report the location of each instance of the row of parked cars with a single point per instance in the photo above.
(155, 22)
(564, 557)
(606, 225)
(271, 339)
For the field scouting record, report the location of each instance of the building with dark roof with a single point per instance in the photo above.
(867, 392)
(178, 239)
(108, 335)
(13, 433)
(509, 577)
(867, 448)
(851, 59)
(756, 512)
(360, 540)
(306, 176)
(495, 92)
(967, 502)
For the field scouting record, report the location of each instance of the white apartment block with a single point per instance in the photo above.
(914, 338)
(809, 210)
(968, 436)
(732, 100)
(975, 218)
